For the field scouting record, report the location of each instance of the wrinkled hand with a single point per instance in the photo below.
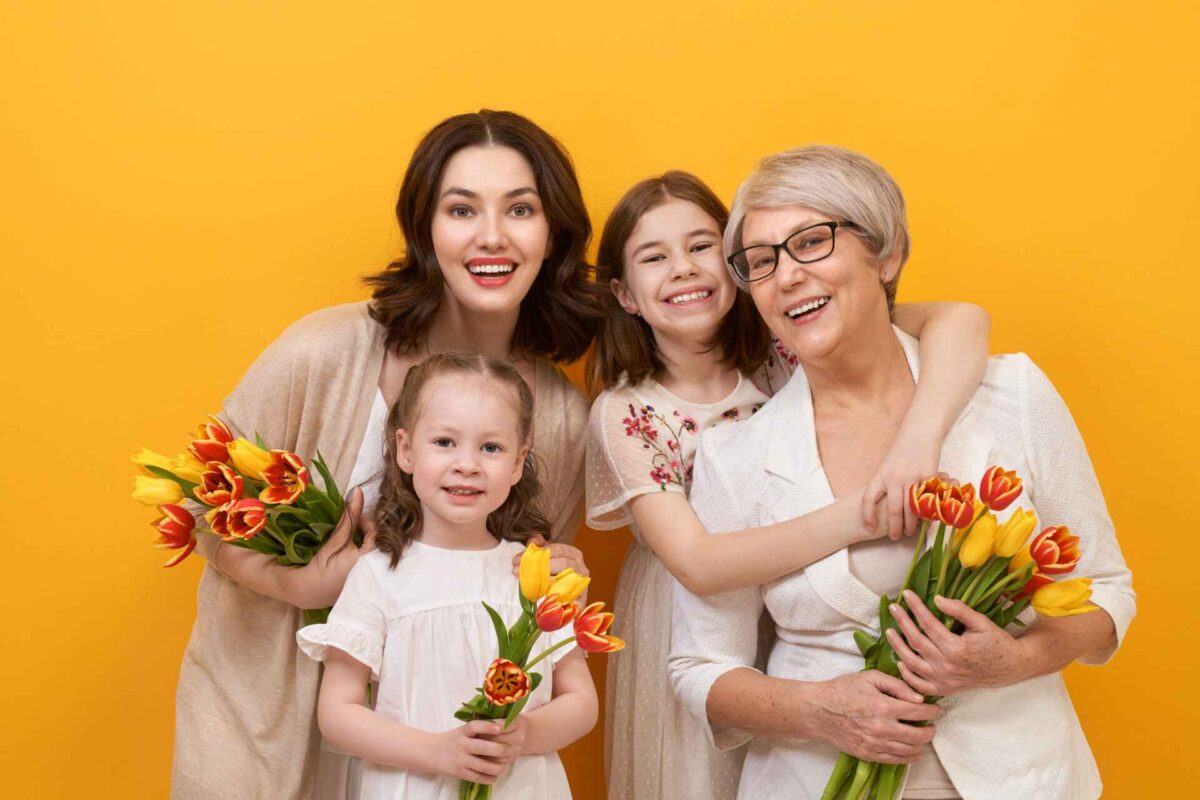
(562, 556)
(908, 461)
(861, 714)
(512, 740)
(467, 752)
(325, 575)
(938, 663)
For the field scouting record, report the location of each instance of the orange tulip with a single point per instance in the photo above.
(176, 531)
(999, 488)
(505, 683)
(211, 440)
(217, 519)
(1054, 550)
(591, 631)
(286, 478)
(245, 518)
(923, 498)
(219, 485)
(956, 505)
(553, 613)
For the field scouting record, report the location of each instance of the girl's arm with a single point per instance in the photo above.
(954, 353)
(566, 718)
(707, 565)
(349, 725)
(316, 584)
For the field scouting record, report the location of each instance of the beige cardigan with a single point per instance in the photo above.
(245, 709)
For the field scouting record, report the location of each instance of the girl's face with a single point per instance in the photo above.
(465, 451)
(490, 233)
(675, 275)
(814, 308)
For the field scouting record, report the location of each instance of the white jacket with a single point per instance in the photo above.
(1020, 742)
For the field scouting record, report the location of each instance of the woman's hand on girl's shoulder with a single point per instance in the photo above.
(562, 556)
(908, 461)
(468, 752)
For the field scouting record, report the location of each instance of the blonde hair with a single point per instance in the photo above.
(398, 513)
(833, 181)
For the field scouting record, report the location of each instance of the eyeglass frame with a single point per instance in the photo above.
(833, 226)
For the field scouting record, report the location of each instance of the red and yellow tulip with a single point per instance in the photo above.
(219, 485)
(245, 518)
(956, 505)
(286, 478)
(176, 531)
(923, 498)
(999, 488)
(591, 631)
(504, 683)
(1055, 551)
(552, 613)
(211, 441)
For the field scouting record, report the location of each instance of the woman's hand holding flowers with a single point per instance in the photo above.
(939, 663)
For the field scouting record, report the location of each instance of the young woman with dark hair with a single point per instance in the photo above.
(495, 233)
(682, 350)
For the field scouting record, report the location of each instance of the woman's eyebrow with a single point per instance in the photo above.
(458, 190)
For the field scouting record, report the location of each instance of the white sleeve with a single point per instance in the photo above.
(1064, 489)
(712, 635)
(357, 624)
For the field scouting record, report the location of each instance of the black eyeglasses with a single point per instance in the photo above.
(805, 246)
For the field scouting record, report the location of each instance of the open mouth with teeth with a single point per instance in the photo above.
(689, 297)
(491, 272)
(491, 269)
(807, 309)
(462, 491)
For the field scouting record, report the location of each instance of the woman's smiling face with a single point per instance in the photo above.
(675, 275)
(490, 232)
(812, 308)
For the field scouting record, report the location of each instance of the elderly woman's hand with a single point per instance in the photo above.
(562, 556)
(910, 459)
(864, 714)
(938, 663)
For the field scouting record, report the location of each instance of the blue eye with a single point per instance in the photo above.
(493, 448)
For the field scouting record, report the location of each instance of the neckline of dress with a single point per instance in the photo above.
(465, 553)
(723, 402)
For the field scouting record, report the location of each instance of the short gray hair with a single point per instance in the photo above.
(834, 181)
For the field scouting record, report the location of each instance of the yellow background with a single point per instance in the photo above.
(182, 180)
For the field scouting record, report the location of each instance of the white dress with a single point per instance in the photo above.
(422, 630)
(642, 440)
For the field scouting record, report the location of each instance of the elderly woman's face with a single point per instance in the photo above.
(812, 308)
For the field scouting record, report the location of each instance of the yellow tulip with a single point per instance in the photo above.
(980, 542)
(155, 491)
(568, 585)
(188, 467)
(249, 458)
(535, 572)
(1011, 536)
(1064, 598)
(149, 458)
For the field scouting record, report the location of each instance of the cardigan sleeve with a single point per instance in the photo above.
(712, 635)
(1064, 489)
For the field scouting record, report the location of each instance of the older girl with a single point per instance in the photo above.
(681, 351)
(495, 232)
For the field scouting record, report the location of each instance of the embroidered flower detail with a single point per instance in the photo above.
(782, 351)
(733, 414)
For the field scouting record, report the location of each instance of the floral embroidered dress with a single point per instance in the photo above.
(641, 440)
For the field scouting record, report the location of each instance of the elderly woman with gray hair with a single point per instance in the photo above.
(818, 236)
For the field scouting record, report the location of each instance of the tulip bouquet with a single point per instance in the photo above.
(547, 605)
(985, 564)
(260, 499)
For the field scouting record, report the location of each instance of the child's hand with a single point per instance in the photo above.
(512, 740)
(467, 752)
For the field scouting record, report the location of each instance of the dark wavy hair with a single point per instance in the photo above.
(625, 346)
(398, 513)
(560, 315)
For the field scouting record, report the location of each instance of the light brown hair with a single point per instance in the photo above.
(560, 315)
(398, 513)
(625, 345)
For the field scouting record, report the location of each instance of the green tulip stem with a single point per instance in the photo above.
(947, 557)
(548, 651)
(918, 550)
